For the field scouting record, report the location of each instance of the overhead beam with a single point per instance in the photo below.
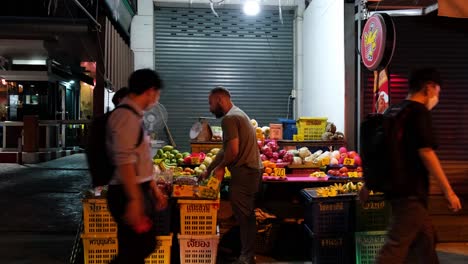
(226, 3)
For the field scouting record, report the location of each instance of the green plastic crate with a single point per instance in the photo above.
(368, 245)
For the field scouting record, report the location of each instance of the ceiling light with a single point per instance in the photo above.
(28, 62)
(251, 7)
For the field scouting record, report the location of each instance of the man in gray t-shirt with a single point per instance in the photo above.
(133, 197)
(241, 155)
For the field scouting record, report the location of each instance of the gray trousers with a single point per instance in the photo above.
(411, 235)
(244, 185)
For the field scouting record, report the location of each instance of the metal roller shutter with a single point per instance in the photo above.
(442, 43)
(251, 56)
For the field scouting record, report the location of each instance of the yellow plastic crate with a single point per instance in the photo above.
(198, 249)
(198, 217)
(101, 248)
(162, 255)
(311, 128)
(97, 218)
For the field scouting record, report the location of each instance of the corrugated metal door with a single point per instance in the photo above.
(442, 43)
(251, 56)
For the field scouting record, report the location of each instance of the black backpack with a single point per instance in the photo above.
(382, 148)
(99, 160)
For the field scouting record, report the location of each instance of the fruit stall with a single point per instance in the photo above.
(308, 175)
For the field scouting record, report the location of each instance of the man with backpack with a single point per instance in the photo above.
(411, 232)
(133, 196)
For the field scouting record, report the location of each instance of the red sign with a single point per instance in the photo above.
(377, 42)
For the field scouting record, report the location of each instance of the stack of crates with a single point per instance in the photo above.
(372, 218)
(329, 226)
(198, 238)
(311, 128)
(99, 238)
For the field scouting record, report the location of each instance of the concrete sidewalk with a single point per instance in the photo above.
(41, 210)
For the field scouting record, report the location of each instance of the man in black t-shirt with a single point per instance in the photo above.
(411, 233)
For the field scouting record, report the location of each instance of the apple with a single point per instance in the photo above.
(352, 154)
(342, 150)
(343, 170)
(344, 156)
(357, 160)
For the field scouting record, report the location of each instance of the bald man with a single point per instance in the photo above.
(241, 155)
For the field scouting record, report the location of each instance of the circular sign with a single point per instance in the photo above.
(377, 42)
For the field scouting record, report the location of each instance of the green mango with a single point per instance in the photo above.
(174, 151)
(168, 148)
(185, 154)
(160, 152)
(179, 156)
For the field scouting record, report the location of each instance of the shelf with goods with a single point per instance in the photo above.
(312, 143)
(302, 165)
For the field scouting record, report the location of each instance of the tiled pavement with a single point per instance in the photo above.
(41, 209)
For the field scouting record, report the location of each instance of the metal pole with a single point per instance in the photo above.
(20, 151)
(358, 77)
(88, 14)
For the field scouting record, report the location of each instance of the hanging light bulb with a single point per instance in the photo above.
(251, 7)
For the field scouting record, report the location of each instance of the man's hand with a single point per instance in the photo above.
(219, 173)
(203, 176)
(161, 199)
(454, 202)
(134, 215)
